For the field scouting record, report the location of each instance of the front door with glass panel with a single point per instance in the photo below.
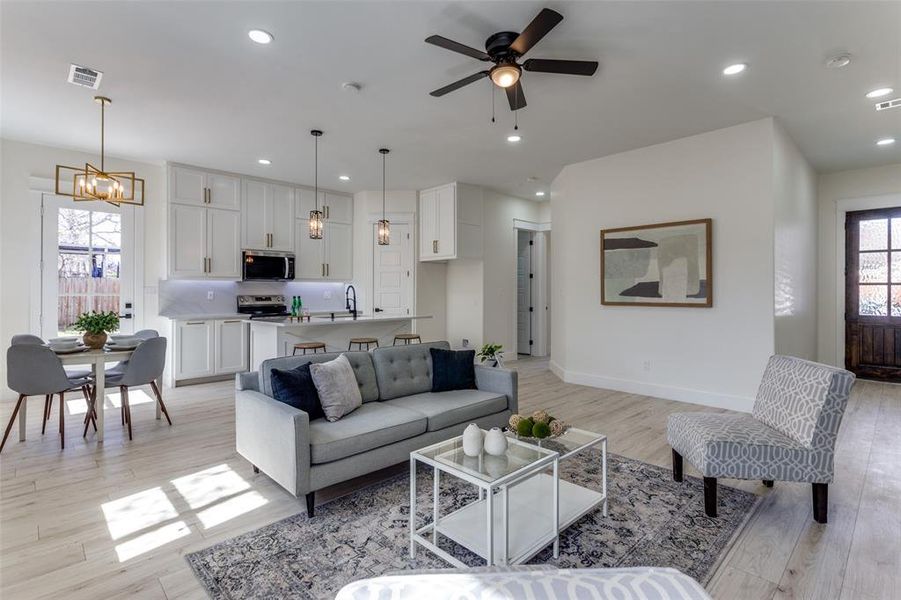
(88, 258)
(873, 293)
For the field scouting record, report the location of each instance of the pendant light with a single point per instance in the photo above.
(90, 183)
(316, 214)
(384, 227)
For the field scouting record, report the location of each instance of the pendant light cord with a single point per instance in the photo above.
(102, 134)
(316, 174)
(384, 186)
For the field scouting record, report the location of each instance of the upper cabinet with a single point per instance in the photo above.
(203, 188)
(450, 218)
(204, 243)
(335, 207)
(331, 257)
(267, 213)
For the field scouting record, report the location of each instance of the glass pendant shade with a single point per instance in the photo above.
(384, 231)
(90, 183)
(315, 224)
(384, 227)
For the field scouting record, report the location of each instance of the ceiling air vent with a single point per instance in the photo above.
(84, 76)
(896, 103)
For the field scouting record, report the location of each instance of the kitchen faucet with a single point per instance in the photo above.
(347, 300)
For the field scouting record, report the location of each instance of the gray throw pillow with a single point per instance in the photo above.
(336, 383)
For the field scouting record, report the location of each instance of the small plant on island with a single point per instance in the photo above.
(491, 353)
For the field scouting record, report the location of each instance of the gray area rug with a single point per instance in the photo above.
(653, 521)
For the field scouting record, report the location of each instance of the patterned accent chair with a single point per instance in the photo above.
(789, 435)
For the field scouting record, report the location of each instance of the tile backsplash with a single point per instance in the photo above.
(181, 297)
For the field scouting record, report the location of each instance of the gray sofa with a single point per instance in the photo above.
(399, 414)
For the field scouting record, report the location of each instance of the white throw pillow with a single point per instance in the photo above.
(337, 386)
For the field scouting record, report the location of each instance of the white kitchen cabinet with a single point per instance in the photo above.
(450, 218)
(210, 347)
(339, 208)
(230, 346)
(267, 214)
(309, 262)
(338, 238)
(203, 188)
(194, 343)
(204, 243)
(187, 241)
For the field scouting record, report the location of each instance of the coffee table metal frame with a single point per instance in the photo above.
(579, 502)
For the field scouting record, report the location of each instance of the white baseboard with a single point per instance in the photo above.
(655, 390)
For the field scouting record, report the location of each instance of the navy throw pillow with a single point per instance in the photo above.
(295, 387)
(453, 369)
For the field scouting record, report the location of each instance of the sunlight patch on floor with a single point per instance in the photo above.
(205, 487)
(77, 407)
(151, 540)
(136, 512)
(231, 508)
(135, 396)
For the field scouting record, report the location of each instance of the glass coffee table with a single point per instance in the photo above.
(522, 504)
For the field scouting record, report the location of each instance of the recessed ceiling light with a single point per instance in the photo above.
(839, 61)
(880, 93)
(260, 36)
(264, 161)
(344, 177)
(539, 194)
(514, 138)
(735, 69)
(885, 142)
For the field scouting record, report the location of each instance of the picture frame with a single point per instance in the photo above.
(661, 264)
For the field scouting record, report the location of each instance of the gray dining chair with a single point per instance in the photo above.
(144, 367)
(35, 370)
(73, 373)
(143, 334)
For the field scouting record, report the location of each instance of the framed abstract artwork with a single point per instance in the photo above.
(664, 264)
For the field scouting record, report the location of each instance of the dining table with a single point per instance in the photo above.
(98, 359)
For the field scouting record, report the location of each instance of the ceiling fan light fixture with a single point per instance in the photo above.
(514, 138)
(505, 74)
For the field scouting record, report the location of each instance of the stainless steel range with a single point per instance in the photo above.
(263, 307)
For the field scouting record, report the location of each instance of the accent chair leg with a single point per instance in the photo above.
(768, 482)
(123, 391)
(159, 398)
(47, 400)
(820, 501)
(256, 469)
(12, 420)
(62, 421)
(311, 502)
(677, 466)
(710, 496)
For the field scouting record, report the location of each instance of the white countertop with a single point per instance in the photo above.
(319, 321)
(204, 316)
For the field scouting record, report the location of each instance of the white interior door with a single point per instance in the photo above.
(88, 258)
(523, 292)
(392, 272)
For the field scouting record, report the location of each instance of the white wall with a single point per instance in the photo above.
(466, 302)
(20, 230)
(713, 355)
(868, 188)
(795, 250)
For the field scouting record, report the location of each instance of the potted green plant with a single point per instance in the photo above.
(492, 354)
(95, 326)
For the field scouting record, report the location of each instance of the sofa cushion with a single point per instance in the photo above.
(404, 370)
(371, 426)
(444, 409)
(360, 361)
(295, 387)
(336, 383)
(453, 369)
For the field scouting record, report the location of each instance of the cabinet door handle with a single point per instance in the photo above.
(195, 323)
(234, 321)
(322, 269)
(210, 265)
(434, 246)
(328, 269)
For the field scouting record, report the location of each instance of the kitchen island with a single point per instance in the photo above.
(270, 338)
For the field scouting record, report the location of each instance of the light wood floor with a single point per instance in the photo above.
(179, 489)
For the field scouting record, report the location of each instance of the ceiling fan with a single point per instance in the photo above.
(504, 48)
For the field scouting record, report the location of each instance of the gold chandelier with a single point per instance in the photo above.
(91, 184)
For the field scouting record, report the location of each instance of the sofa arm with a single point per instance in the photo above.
(275, 438)
(500, 381)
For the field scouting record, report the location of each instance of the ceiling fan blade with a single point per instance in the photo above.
(458, 84)
(546, 20)
(515, 96)
(565, 67)
(453, 46)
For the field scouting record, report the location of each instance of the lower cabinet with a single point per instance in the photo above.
(209, 347)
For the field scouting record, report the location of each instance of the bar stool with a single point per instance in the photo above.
(359, 341)
(314, 346)
(407, 338)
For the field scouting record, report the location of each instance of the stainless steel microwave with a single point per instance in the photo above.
(261, 265)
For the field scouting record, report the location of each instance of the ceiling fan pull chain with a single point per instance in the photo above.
(516, 112)
(492, 102)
